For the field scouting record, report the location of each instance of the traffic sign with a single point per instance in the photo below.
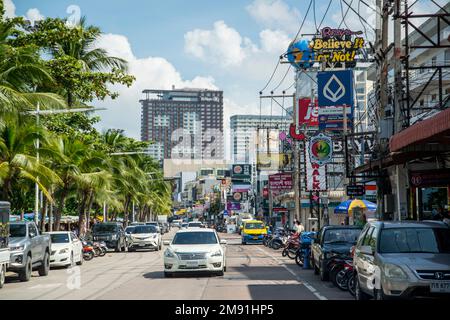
(355, 190)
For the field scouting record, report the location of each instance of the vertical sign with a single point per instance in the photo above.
(316, 175)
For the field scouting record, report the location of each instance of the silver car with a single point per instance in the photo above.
(402, 260)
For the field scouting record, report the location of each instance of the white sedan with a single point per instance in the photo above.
(66, 249)
(146, 236)
(194, 250)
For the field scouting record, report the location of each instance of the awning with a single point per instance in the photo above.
(435, 129)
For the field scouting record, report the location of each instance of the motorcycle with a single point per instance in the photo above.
(100, 248)
(279, 240)
(292, 246)
(88, 251)
(305, 246)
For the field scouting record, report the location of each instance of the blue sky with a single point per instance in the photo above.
(231, 45)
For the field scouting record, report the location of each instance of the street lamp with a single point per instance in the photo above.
(37, 113)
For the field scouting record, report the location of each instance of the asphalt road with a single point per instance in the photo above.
(253, 272)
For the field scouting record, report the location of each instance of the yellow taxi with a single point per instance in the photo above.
(253, 231)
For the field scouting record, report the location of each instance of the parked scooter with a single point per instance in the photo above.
(88, 251)
(292, 246)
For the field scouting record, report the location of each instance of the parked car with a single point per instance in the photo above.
(128, 231)
(154, 223)
(184, 225)
(194, 250)
(66, 249)
(29, 250)
(329, 241)
(194, 225)
(4, 240)
(145, 237)
(402, 260)
(112, 234)
(162, 228)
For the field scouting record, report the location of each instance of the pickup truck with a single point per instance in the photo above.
(4, 238)
(332, 240)
(29, 250)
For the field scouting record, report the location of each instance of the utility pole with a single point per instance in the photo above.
(36, 195)
(297, 182)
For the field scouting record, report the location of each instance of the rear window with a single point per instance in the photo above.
(341, 236)
(415, 240)
(104, 227)
(60, 238)
(144, 229)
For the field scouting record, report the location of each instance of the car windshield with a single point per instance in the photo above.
(255, 225)
(144, 229)
(129, 229)
(415, 240)
(341, 236)
(195, 238)
(60, 238)
(195, 224)
(104, 228)
(184, 224)
(17, 230)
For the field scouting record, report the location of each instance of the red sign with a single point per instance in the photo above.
(308, 114)
(280, 182)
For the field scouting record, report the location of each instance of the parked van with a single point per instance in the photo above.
(4, 240)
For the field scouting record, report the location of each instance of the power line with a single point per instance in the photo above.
(282, 80)
(304, 19)
(326, 12)
(271, 77)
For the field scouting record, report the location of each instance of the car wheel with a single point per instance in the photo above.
(25, 274)
(2, 275)
(79, 263)
(45, 265)
(131, 249)
(316, 270)
(70, 265)
(359, 294)
(168, 274)
(378, 294)
(323, 274)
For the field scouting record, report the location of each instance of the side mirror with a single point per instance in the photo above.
(223, 241)
(32, 235)
(166, 242)
(366, 250)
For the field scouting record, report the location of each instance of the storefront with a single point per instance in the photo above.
(429, 194)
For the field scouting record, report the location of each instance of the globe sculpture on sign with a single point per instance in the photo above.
(300, 54)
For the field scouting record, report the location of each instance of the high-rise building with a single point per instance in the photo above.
(244, 130)
(183, 124)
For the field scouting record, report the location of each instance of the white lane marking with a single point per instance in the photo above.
(45, 286)
(306, 284)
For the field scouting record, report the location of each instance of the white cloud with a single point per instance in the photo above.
(34, 15)
(151, 73)
(274, 41)
(275, 15)
(221, 45)
(10, 8)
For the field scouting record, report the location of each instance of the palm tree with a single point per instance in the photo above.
(21, 72)
(84, 50)
(17, 160)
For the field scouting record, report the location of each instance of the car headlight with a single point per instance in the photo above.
(218, 253)
(394, 272)
(168, 253)
(17, 248)
(64, 250)
(114, 237)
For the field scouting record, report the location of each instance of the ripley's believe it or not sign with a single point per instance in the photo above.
(332, 46)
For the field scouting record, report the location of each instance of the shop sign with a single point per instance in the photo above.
(233, 206)
(308, 113)
(355, 190)
(335, 88)
(337, 45)
(321, 149)
(430, 178)
(316, 178)
(280, 182)
(241, 171)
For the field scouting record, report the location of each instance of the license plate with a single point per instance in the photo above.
(192, 263)
(141, 244)
(255, 238)
(440, 286)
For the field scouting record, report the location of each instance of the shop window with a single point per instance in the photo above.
(433, 202)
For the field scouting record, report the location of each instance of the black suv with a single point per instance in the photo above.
(332, 240)
(112, 233)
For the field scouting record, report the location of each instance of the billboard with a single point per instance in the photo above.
(335, 88)
(316, 175)
(308, 113)
(241, 171)
(320, 149)
(280, 182)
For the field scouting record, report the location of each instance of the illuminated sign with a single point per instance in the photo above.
(337, 45)
(321, 149)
